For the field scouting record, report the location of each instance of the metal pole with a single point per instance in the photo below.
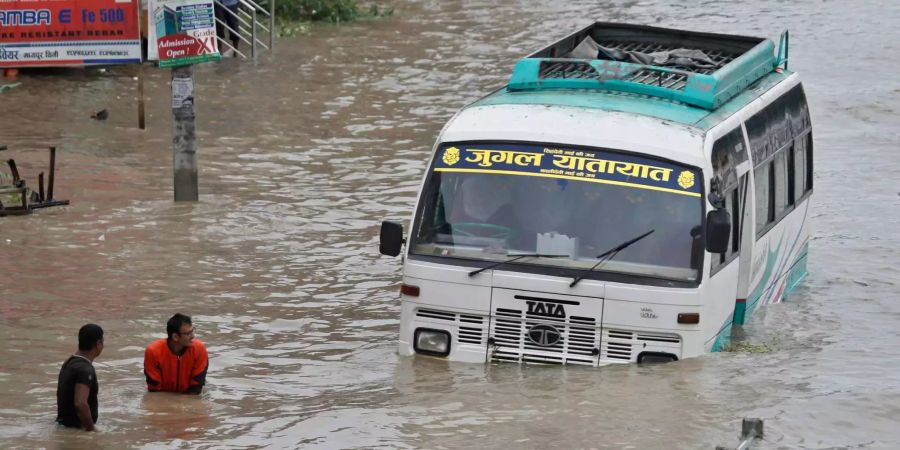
(751, 430)
(141, 122)
(253, 36)
(52, 173)
(184, 145)
(271, 26)
(41, 197)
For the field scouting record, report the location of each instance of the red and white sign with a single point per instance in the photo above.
(184, 32)
(68, 32)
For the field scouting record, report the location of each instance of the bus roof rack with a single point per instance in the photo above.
(699, 69)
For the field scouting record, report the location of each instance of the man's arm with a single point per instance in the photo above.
(81, 406)
(152, 371)
(198, 372)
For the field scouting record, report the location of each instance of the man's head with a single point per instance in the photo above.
(90, 339)
(180, 330)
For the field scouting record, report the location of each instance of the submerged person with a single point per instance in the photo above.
(77, 387)
(179, 362)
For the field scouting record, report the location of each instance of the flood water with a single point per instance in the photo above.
(302, 156)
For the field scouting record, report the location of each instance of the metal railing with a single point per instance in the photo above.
(252, 19)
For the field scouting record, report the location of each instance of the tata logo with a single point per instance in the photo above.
(546, 309)
(544, 335)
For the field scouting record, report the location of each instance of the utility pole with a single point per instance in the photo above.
(184, 139)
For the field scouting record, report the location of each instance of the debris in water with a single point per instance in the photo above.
(100, 115)
(747, 347)
(6, 87)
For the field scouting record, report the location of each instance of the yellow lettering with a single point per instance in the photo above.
(526, 159)
(482, 157)
(633, 170)
(660, 173)
(597, 165)
(569, 162)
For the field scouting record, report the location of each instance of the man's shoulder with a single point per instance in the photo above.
(198, 345)
(74, 363)
(157, 346)
(77, 366)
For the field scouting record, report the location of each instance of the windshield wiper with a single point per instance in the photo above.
(514, 259)
(608, 255)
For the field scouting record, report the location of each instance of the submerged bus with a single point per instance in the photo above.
(630, 195)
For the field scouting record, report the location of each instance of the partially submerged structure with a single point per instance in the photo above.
(16, 198)
(628, 196)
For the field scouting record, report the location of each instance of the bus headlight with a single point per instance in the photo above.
(431, 342)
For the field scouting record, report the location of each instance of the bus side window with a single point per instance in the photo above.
(781, 146)
(791, 176)
(737, 215)
(733, 206)
(727, 153)
(782, 197)
(809, 162)
(799, 152)
(798, 112)
(761, 182)
(770, 207)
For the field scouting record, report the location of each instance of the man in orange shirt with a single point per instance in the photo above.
(177, 363)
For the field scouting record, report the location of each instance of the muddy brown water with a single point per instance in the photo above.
(303, 154)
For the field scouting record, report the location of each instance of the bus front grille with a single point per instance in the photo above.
(469, 328)
(624, 346)
(579, 339)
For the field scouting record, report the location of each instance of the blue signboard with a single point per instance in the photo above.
(570, 164)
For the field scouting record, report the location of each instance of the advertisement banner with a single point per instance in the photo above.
(182, 32)
(54, 33)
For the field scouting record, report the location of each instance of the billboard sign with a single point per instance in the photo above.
(53, 33)
(182, 32)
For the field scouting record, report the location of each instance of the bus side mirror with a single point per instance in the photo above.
(391, 238)
(718, 230)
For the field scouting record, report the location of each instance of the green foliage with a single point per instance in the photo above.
(317, 10)
(293, 14)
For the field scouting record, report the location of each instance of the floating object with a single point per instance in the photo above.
(6, 87)
(100, 115)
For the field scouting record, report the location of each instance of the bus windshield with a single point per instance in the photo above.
(492, 202)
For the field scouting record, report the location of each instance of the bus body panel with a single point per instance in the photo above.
(548, 284)
(780, 259)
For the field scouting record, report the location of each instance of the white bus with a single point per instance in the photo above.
(630, 195)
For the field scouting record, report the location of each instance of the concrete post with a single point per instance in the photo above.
(184, 143)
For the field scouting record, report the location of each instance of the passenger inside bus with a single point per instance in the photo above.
(481, 207)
